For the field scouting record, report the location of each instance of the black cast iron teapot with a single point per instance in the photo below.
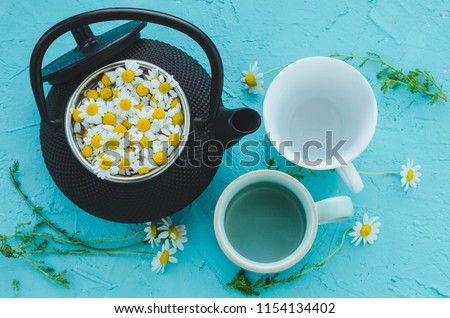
(212, 128)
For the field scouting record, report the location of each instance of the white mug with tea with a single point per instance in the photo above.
(266, 221)
(321, 113)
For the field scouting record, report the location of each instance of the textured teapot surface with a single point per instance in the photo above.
(144, 201)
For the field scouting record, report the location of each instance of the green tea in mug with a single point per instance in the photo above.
(265, 222)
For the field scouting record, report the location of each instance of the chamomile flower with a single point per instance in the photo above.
(366, 231)
(152, 234)
(152, 74)
(141, 119)
(77, 120)
(142, 166)
(163, 88)
(105, 92)
(173, 110)
(94, 137)
(173, 233)
(108, 78)
(171, 135)
(163, 257)
(113, 142)
(410, 175)
(141, 87)
(91, 111)
(124, 103)
(127, 74)
(104, 166)
(253, 80)
(110, 114)
(124, 166)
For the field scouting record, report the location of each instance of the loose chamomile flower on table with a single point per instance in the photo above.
(163, 88)
(410, 175)
(366, 231)
(91, 111)
(127, 74)
(173, 233)
(163, 257)
(253, 80)
(104, 166)
(125, 103)
(152, 234)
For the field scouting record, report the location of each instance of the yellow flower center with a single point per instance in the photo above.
(160, 158)
(92, 109)
(128, 76)
(106, 93)
(127, 124)
(145, 142)
(96, 141)
(87, 151)
(164, 87)
(365, 231)
(85, 134)
(173, 229)
(139, 106)
(164, 258)
(158, 113)
(105, 163)
(116, 93)
(153, 229)
(143, 124)
(174, 139)
(174, 102)
(124, 163)
(125, 104)
(142, 171)
(153, 99)
(106, 80)
(141, 90)
(250, 79)
(112, 144)
(109, 119)
(410, 175)
(76, 115)
(120, 129)
(92, 93)
(178, 119)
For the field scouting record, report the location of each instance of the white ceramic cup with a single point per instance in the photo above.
(313, 213)
(315, 104)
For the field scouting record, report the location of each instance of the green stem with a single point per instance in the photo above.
(62, 240)
(379, 172)
(276, 69)
(69, 239)
(65, 252)
(304, 271)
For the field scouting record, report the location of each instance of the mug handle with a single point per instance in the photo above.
(334, 209)
(351, 177)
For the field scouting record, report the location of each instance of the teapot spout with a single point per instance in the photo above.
(230, 125)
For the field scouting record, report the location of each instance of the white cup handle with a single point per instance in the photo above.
(334, 209)
(351, 177)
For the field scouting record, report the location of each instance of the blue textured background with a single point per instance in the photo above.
(411, 256)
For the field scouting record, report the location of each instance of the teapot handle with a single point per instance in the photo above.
(111, 14)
